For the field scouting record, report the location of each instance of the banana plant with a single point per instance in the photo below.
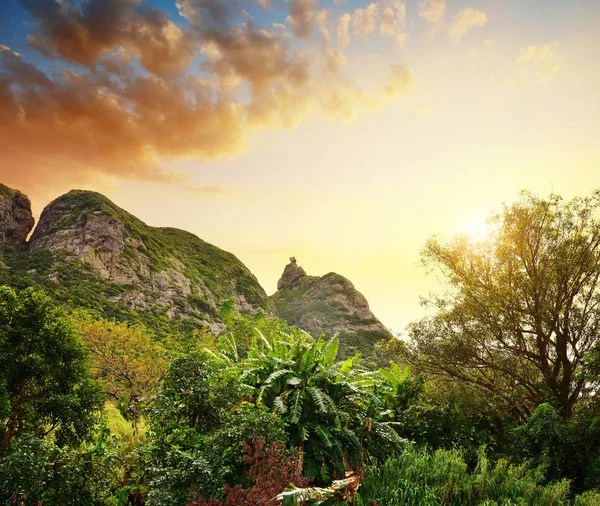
(330, 407)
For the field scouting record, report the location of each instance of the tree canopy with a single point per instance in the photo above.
(522, 307)
(44, 377)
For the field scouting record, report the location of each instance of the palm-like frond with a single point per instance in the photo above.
(279, 404)
(322, 400)
(297, 407)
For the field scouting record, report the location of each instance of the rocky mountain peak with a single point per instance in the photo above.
(332, 305)
(16, 219)
(291, 274)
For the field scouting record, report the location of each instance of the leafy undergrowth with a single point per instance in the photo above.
(422, 478)
(269, 469)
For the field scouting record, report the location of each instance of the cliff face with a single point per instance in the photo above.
(87, 250)
(332, 305)
(16, 220)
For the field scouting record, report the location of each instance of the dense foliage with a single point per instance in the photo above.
(523, 311)
(492, 402)
(44, 379)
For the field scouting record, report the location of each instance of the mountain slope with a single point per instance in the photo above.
(90, 252)
(332, 305)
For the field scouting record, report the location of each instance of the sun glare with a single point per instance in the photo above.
(477, 229)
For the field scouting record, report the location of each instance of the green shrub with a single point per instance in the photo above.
(421, 478)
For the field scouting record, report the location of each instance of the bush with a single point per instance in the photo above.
(36, 472)
(269, 469)
(442, 477)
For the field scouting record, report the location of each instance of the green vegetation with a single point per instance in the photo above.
(214, 276)
(45, 386)
(329, 304)
(493, 402)
(203, 264)
(7, 192)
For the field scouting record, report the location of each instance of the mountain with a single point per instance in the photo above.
(90, 253)
(332, 305)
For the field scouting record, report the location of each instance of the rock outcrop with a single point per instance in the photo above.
(329, 304)
(292, 273)
(16, 220)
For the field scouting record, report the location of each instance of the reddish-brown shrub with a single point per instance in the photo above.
(271, 471)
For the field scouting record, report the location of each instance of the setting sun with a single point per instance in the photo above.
(478, 229)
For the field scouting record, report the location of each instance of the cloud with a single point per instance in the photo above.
(334, 59)
(80, 123)
(464, 21)
(82, 33)
(209, 18)
(322, 21)
(302, 17)
(544, 57)
(110, 117)
(432, 10)
(343, 31)
(364, 20)
(402, 80)
(393, 18)
(257, 55)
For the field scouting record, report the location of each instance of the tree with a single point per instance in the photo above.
(126, 360)
(522, 309)
(198, 424)
(45, 384)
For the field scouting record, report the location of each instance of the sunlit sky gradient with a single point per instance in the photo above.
(290, 141)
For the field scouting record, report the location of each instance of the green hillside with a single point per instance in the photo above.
(90, 253)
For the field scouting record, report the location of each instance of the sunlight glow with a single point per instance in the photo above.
(478, 229)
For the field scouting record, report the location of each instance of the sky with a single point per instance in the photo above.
(344, 132)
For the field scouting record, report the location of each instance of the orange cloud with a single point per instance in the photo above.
(111, 119)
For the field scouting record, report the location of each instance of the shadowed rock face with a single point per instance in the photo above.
(328, 304)
(16, 220)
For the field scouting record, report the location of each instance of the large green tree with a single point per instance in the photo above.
(522, 309)
(45, 386)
